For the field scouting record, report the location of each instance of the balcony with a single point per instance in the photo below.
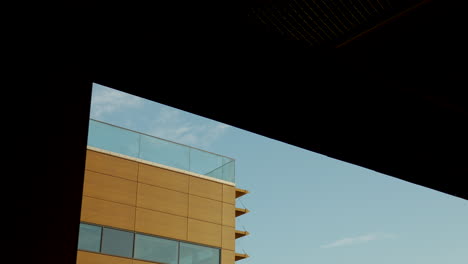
(138, 145)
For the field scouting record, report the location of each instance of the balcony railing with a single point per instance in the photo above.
(135, 144)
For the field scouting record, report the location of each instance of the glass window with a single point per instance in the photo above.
(195, 254)
(204, 162)
(164, 152)
(117, 242)
(156, 249)
(89, 237)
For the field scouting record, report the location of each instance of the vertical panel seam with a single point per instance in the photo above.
(188, 207)
(100, 242)
(136, 205)
(222, 208)
(136, 197)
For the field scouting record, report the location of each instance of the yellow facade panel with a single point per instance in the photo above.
(229, 217)
(227, 256)
(107, 213)
(162, 224)
(228, 239)
(229, 194)
(164, 178)
(110, 188)
(111, 165)
(84, 257)
(161, 199)
(204, 233)
(206, 188)
(136, 196)
(205, 209)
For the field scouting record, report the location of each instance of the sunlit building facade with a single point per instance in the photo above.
(149, 200)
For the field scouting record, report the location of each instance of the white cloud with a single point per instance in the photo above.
(358, 240)
(161, 121)
(107, 101)
(173, 126)
(167, 115)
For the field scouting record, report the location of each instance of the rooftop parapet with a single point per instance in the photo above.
(138, 145)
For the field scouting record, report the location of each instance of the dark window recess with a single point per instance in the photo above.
(156, 249)
(117, 242)
(150, 248)
(89, 237)
(195, 254)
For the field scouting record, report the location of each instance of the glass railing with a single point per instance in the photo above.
(134, 144)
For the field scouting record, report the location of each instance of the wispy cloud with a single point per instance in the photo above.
(107, 101)
(358, 240)
(175, 125)
(155, 119)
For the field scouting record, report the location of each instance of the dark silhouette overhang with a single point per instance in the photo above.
(385, 93)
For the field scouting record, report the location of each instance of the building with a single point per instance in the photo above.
(148, 200)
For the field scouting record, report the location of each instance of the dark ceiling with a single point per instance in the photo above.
(363, 81)
(377, 83)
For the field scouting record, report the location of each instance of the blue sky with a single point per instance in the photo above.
(307, 207)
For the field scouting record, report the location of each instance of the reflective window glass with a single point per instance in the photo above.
(164, 152)
(117, 242)
(114, 139)
(156, 249)
(89, 237)
(195, 254)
